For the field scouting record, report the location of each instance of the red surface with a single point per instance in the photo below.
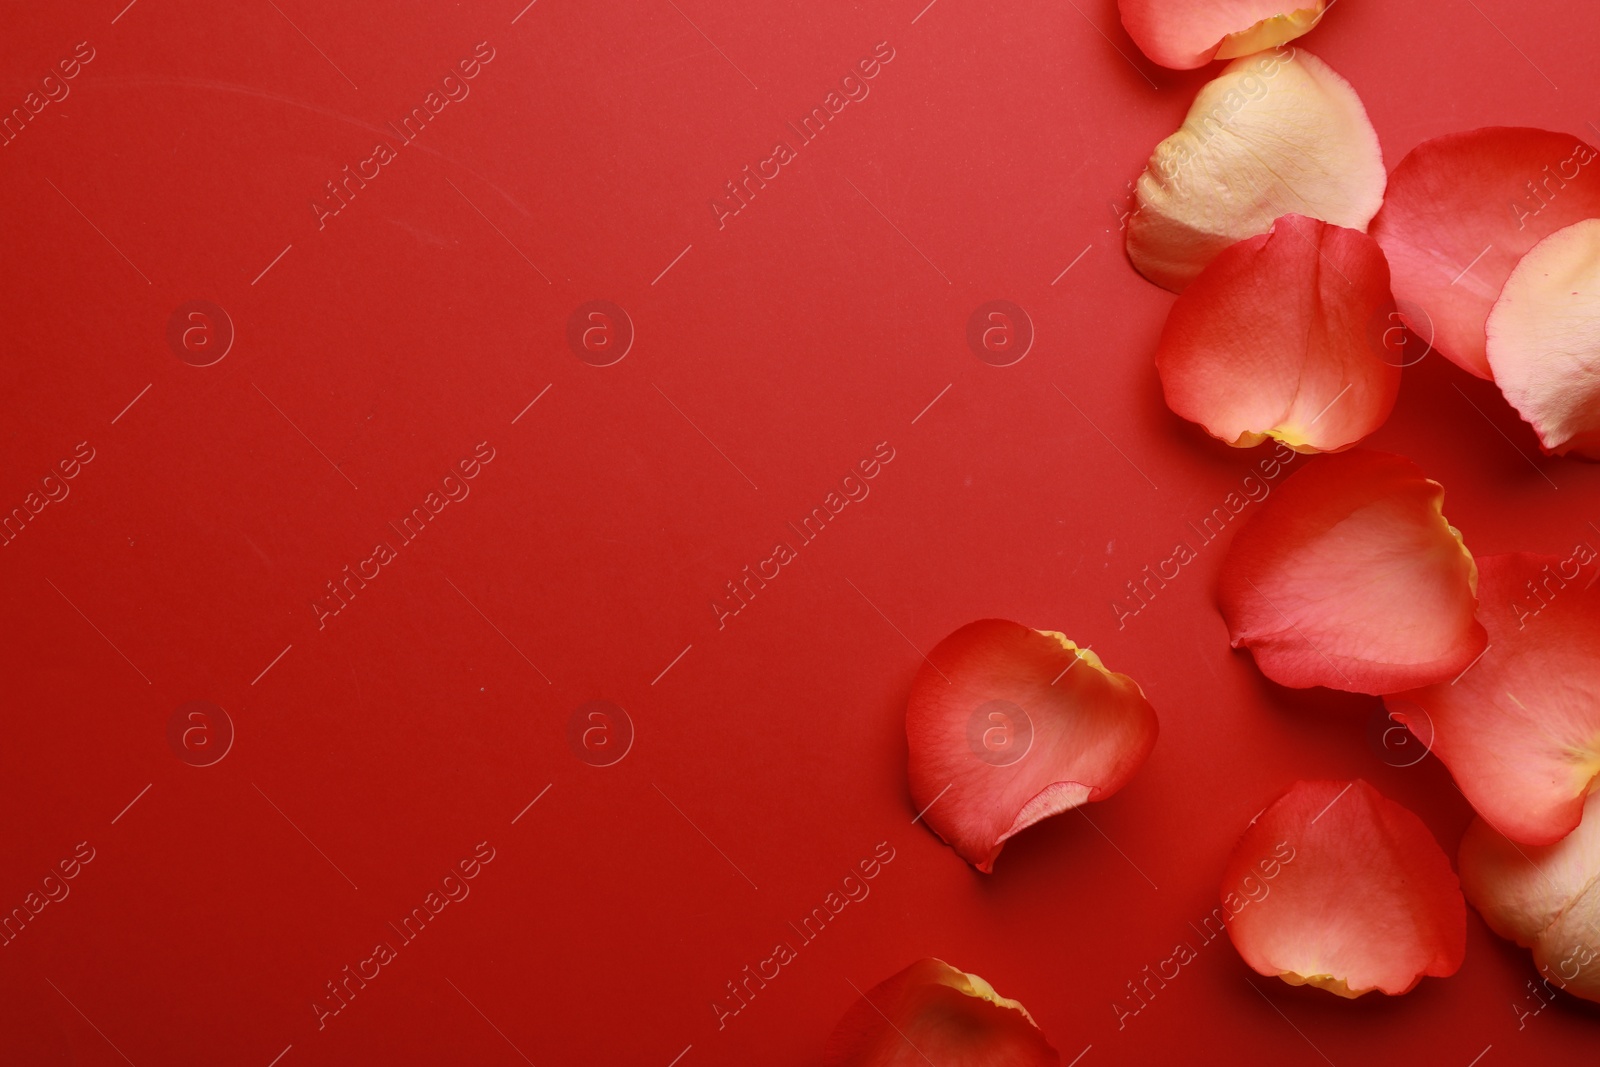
(999, 141)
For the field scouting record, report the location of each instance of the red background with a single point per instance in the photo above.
(998, 142)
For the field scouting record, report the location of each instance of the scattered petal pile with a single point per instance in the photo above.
(1462, 209)
(1364, 900)
(1008, 725)
(1275, 134)
(1183, 34)
(1520, 730)
(1544, 898)
(932, 1013)
(1272, 340)
(1350, 577)
(1544, 339)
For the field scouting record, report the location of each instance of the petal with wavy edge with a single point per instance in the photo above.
(1183, 34)
(1274, 134)
(1350, 577)
(1338, 887)
(1274, 340)
(933, 1013)
(1008, 725)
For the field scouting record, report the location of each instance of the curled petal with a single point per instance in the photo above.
(1183, 34)
(1273, 340)
(1544, 339)
(1274, 134)
(1543, 897)
(1462, 210)
(932, 1013)
(1339, 887)
(1008, 725)
(1350, 577)
(1520, 730)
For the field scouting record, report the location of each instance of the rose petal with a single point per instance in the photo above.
(1009, 725)
(1272, 340)
(1544, 339)
(1520, 730)
(1274, 134)
(1543, 897)
(932, 1013)
(1462, 210)
(1183, 34)
(1339, 887)
(1350, 577)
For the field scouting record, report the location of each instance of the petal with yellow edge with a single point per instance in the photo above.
(1350, 577)
(933, 1013)
(1276, 339)
(1336, 886)
(1009, 725)
(1274, 134)
(1182, 34)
